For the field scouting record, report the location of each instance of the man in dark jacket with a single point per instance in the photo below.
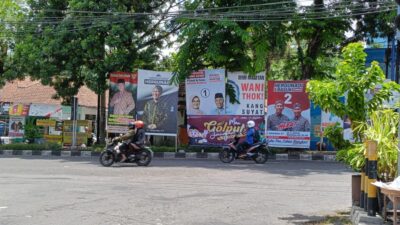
(127, 139)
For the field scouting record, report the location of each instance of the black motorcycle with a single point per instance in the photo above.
(112, 154)
(257, 152)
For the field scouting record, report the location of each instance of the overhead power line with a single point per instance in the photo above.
(282, 11)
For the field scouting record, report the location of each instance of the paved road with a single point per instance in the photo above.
(180, 192)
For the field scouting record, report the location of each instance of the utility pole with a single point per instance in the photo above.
(397, 37)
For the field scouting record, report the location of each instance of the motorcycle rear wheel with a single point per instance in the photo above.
(261, 157)
(106, 159)
(143, 158)
(226, 155)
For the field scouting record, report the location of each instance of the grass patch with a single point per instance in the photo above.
(340, 218)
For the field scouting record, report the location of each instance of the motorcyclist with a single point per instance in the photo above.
(251, 131)
(138, 140)
(127, 139)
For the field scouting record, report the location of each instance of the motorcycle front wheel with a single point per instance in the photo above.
(106, 159)
(143, 158)
(261, 157)
(226, 155)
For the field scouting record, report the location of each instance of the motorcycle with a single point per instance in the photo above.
(112, 154)
(258, 152)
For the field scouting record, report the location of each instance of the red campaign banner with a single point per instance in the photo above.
(288, 119)
(219, 130)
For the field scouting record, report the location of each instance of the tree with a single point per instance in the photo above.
(353, 80)
(317, 38)
(10, 14)
(246, 46)
(255, 35)
(71, 43)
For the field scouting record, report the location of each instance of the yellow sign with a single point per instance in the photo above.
(53, 138)
(84, 123)
(81, 138)
(46, 123)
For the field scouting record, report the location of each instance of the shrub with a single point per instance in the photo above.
(34, 147)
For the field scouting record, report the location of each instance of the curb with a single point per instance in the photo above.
(166, 155)
(360, 217)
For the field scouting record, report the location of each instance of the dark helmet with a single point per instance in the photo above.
(131, 125)
(139, 124)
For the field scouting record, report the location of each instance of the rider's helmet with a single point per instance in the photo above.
(250, 124)
(139, 124)
(131, 125)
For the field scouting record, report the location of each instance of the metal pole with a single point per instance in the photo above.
(372, 176)
(74, 114)
(398, 110)
(393, 59)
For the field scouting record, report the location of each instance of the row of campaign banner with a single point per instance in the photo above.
(149, 96)
(285, 120)
(289, 119)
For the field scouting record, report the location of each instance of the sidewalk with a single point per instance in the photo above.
(168, 155)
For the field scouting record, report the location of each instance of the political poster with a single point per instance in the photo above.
(219, 130)
(315, 130)
(16, 126)
(320, 120)
(17, 109)
(45, 110)
(288, 120)
(250, 91)
(205, 92)
(122, 101)
(157, 102)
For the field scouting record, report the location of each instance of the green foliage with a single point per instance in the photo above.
(34, 147)
(32, 131)
(80, 48)
(352, 79)
(383, 130)
(243, 46)
(11, 13)
(353, 156)
(334, 133)
(316, 40)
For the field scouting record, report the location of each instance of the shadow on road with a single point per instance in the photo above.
(286, 168)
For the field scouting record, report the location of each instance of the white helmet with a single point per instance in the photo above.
(250, 124)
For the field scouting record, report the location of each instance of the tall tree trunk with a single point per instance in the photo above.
(3, 55)
(314, 45)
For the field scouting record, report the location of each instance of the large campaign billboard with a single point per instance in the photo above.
(250, 91)
(219, 130)
(122, 101)
(205, 92)
(157, 102)
(288, 120)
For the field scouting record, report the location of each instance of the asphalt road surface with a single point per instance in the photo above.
(70, 191)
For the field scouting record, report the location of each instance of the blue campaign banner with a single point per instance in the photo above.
(318, 119)
(315, 112)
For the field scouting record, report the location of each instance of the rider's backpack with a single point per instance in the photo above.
(256, 136)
